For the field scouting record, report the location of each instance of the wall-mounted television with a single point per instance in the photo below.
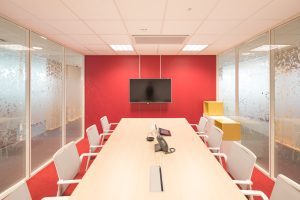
(150, 90)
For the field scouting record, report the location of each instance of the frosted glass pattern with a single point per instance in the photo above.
(12, 104)
(287, 97)
(226, 81)
(46, 99)
(74, 95)
(254, 98)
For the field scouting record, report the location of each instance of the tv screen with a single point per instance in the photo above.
(150, 90)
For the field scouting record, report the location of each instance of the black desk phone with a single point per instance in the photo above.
(163, 145)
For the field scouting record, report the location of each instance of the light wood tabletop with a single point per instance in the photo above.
(121, 170)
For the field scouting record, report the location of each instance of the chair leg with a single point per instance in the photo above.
(250, 188)
(220, 161)
(88, 161)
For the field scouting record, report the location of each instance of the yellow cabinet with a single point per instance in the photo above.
(231, 128)
(213, 108)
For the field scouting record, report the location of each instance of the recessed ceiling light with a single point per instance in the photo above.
(121, 47)
(194, 47)
(37, 48)
(43, 37)
(269, 47)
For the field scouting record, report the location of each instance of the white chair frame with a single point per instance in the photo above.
(62, 183)
(95, 140)
(284, 188)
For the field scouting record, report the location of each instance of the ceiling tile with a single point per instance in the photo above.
(145, 47)
(142, 9)
(97, 47)
(226, 42)
(236, 9)
(252, 27)
(217, 26)
(94, 9)
(106, 52)
(116, 39)
(189, 9)
(40, 27)
(203, 39)
(63, 39)
(180, 27)
(287, 8)
(144, 27)
(14, 12)
(71, 26)
(46, 10)
(107, 27)
(170, 47)
(87, 39)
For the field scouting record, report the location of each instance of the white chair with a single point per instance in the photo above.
(201, 126)
(214, 139)
(106, 126)
(95, 140)
(22, 193)
(240, 164)
(284, 188)
(67, 163)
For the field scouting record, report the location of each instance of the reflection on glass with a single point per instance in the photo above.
(46, 99)
(74, 95)
(12, 104)
(254, 97)
(226, 81)
(286, 61)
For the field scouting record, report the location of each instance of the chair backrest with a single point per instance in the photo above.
(240, 161)
(20, 193)
(67, 162)
(215, 137)
(202, 124)
(105, 124)
(285, 188)
(93, 135)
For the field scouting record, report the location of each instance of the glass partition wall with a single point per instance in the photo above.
(254, 97)
(46, 99)
(286, 66)
(268, 94)
(226, 81)
(74, 97)
(40, 86)
(12, 104)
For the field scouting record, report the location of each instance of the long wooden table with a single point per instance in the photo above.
(121, 170)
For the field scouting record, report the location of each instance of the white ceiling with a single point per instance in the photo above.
(89, 26)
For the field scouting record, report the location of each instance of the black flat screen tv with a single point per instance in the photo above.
(150, 90)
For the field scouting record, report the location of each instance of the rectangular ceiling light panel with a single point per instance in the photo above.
(117, 47)
(194, 47)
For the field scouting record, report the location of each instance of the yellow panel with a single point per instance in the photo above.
(231, 129)
(213, 108)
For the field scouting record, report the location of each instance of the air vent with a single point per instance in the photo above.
(159, 39)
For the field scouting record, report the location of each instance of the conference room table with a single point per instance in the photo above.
(121, 171)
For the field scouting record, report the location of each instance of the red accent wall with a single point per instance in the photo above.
(107, 86)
